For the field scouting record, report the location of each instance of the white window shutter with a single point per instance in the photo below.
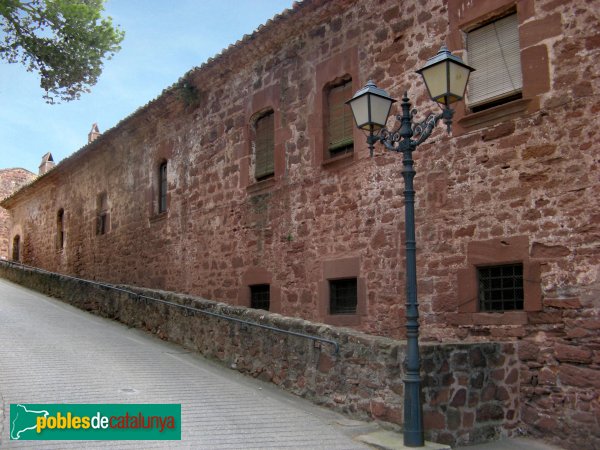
(494, 51)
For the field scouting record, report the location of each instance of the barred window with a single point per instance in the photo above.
(260, 296)
(340, 123)
(500, 287)
(343, 296)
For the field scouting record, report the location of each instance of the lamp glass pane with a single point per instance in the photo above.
(360, 110)
(459, 76)
(435, 80)
(380, 110)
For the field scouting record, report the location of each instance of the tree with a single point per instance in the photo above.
(65, 41)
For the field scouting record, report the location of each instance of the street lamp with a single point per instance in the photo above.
(446, 77)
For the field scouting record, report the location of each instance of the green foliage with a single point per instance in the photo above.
(65, 41)
(188, 93)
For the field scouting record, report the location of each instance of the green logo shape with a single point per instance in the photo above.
(37, 422)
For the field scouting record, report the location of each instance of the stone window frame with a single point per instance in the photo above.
(495, 252)
(340, 269)
(344, 65)
(465, 15)
(254, 276)
(262, 101)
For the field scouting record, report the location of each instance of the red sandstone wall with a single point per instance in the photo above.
(530, 175)
(10, 181)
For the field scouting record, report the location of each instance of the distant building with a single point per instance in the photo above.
(11, 180)
(248, 183)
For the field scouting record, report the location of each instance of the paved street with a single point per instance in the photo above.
(51, 352)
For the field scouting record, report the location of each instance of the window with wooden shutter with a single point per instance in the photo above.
(494, 52)
(264, 147)
(340, 123)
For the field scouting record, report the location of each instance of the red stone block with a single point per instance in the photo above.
(579, 376)
(571, 353)
(434, 420)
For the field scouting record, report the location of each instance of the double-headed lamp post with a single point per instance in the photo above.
(446, 77)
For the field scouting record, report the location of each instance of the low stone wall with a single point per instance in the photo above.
(470, 390)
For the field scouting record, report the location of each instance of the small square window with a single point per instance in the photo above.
(260, 296)
(343, 296)
(500, 287)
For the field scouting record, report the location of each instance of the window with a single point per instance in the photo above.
(339, 120)
(343, 296)
(60, 229)
(103, 217)
(501, 276)
(162, 187)
(264, 146)
(500, 287)
(260, 296)
(16, 249)
(494, 51)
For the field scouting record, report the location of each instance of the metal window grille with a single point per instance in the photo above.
(264, 162)
(343, 296)
(260, 296)
(340, 124)
(162, 188)
(501, 287)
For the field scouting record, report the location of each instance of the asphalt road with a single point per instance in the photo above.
(51, 352)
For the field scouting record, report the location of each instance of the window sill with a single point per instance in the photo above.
(489, 318)
(158, 217)
(261, 186)
(343, 320)
(494, 115)
(336, 161)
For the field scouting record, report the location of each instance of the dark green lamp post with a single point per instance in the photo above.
(446, 77)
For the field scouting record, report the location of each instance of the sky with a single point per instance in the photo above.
(164, 39)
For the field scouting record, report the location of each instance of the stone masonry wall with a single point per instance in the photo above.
(520, 181)
(470, 390)
(11, 180)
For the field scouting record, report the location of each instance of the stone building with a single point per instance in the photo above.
(247, 183)
(11, 180)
